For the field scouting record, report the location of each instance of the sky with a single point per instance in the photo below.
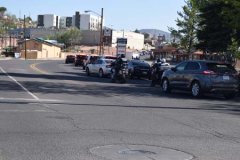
(118, 14)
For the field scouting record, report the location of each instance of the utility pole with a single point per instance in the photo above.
(24, 33)
(10, 42)
(101, 34)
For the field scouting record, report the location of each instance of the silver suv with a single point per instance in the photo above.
(202, 76)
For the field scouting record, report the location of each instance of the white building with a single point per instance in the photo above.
(134, 40)
(90, 22)
(63, 22)
(48, 21)
(81, 21)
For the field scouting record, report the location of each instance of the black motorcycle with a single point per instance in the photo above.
(119, 74)
(156, 73)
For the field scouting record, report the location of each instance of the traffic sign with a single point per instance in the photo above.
(121, 40)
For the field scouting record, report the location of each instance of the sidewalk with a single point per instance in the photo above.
(5, 58)
(43, 59)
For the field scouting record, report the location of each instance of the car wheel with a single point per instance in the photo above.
(196, 89)
(229, 96)
(165, 86)
(87, 71)
(100, 74)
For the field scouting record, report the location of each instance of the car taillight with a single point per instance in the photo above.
(208, 72)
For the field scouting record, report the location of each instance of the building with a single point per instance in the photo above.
(48, 21)
(31, 33)
(76, 20)
(69, 22)
(134, 40)
(90, 22)
(80, 21)
(8, 41)
(65, 22)
(62, 23)
(39, 49)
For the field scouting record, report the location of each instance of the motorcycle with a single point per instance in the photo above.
(156, 73)
(120, 75)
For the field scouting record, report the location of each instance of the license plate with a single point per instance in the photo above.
(144, 72)
(225, 77)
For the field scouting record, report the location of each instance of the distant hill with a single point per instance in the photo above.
(156, 32)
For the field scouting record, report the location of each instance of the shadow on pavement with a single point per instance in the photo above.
(220, 108)
(132, 88)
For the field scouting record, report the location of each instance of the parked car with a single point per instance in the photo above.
(79, 59)
(200, 77)
(69, 59)
(90, 59)
(138, 68)
(102, 67)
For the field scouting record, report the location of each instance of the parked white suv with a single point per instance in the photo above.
(102, 67)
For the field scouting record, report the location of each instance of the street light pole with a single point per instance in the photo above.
(24, 33)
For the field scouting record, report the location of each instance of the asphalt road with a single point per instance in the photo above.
(53, 111)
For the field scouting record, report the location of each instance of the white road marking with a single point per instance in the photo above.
(25, 89)
(63, 89)
(23, 111)
(25, 99)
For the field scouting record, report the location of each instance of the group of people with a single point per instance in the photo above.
(156, 72)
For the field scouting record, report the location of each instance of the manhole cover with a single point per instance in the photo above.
(139, 152)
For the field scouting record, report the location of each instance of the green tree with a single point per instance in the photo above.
(2, 11)
(146, 36)
(28, 19)
(70, 37)
(219, 29)
(176, 36)
(137, 31)
(2, 23)
(234, 48)
(187, 25)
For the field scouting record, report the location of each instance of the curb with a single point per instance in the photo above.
(6, 58)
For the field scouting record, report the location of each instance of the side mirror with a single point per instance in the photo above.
(174, 69)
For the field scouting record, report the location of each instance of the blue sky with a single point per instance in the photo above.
(119, 14)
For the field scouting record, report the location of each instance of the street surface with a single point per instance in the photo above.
(52, 111)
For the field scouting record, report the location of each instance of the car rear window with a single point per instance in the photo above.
(140, 64)
(81, 56)
(221, 68)
(109, 57)
(108, 61)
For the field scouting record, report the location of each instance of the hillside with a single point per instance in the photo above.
(156, 32)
